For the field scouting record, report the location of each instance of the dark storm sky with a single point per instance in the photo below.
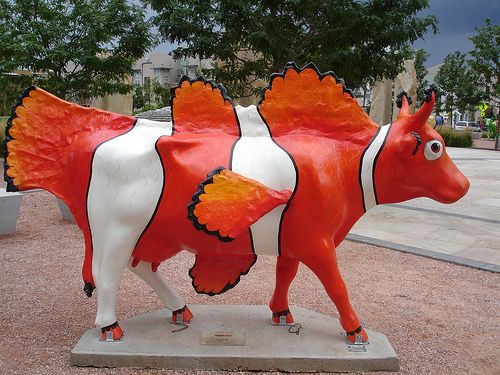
(457, 22)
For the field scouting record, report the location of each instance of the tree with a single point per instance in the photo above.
(485, 59)
(161, 93)
(456, 83)
(138, 98)
(420, 56)
(361, 41)
(81, 49)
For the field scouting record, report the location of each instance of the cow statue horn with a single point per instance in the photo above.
(421, 116)
(403, 102)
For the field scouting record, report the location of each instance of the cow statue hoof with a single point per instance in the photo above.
(282, 318)
(357, 337)
(112, 333)
(183, 316)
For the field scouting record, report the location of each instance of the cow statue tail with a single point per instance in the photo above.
(49, 144)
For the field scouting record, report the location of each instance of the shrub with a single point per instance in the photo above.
(452, 138)
(3, 121)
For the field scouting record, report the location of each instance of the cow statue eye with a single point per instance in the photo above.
(433, 150)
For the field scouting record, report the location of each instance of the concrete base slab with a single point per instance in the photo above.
(10, 204)
(235, 338)
(65, 211)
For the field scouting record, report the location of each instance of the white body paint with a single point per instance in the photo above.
(256, 156)
(367, 164)
(126, 184)
(125, 187)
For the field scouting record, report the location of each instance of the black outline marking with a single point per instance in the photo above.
(357, 330)
(419, 141)
(11, 187)
(399, 99)
(428, 93)
(196, 199)
(228, 285)
(292, 65)
(281, 313)
(296, 187)
(231, 154)
(90, 181)
(375, 162)
(360, 172)
(110, 327)
(374, 165)
(158, 202)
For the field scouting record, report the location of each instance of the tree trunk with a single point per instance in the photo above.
(498, 127)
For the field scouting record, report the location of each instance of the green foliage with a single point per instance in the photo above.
(3, 123)
(452, 138)
(138, 98)
(361, 41)
(11, 86)
(152, 95)
(78, 49)
(420, 56)
(491, 128)
(456, 82)
(161, 93)
(485, 59)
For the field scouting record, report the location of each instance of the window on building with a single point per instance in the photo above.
(137, 77)
(157, 74)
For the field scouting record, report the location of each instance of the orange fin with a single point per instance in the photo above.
(227, 203)
(307, 101)
(200, 106)
(40, 130)
(217, 274)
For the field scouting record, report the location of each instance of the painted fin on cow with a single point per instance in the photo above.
(305, 101)
(40, 131)
(227, 203)
(217, 274)
(200, 106)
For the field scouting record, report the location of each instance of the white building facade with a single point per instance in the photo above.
(165, 70)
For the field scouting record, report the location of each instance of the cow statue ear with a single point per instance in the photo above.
(409, 144)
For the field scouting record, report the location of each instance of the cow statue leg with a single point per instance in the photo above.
(323, 262)
(286, 269)
(170, 298)
(110, 257)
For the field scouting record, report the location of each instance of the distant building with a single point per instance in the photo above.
(164, 69)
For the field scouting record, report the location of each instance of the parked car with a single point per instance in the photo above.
(467, 125)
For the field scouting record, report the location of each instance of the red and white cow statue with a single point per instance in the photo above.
(288, 177)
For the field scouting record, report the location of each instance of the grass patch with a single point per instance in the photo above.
(452, 138)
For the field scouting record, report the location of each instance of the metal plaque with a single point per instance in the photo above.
(356, 348)
(223, 338)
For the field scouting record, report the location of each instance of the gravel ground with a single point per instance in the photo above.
(440, 318)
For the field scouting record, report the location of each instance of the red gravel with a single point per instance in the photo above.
(440, 318)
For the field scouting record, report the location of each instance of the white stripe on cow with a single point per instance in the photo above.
(127, 180)
(256, 156)
(368, 164)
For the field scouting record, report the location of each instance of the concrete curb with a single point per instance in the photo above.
(425, 253)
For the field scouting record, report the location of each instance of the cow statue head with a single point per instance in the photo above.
(414, 162)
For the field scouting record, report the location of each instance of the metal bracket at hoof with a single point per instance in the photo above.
(109, 337)
(282, 318)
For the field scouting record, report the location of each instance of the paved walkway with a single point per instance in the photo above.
(466, 232)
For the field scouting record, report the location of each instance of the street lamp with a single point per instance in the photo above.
(146, 61)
